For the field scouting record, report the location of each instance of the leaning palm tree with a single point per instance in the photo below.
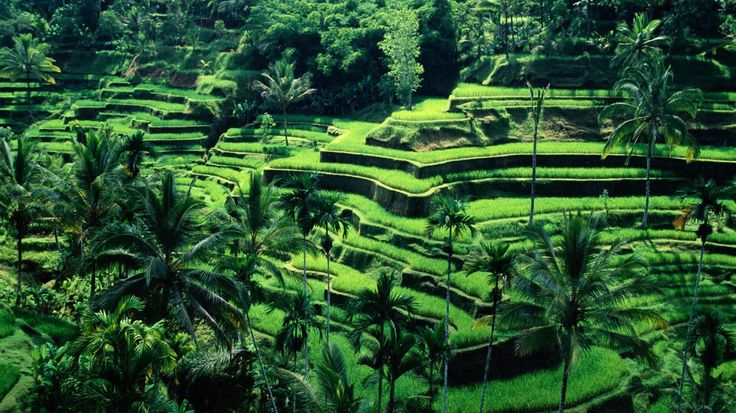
(497, 260)
(708, 209)
(651, 111)
(638, 43)
(135, 148)
(573, 294)
(28, 60)
(20, 177)
(449, 214)
(328, 217)
(281, 88)
(537, 105)
(375, 310)
(169, 246)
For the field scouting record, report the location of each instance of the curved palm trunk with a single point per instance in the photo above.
(563, 391)
(447, 326)
(261, 365)
(534, 172)
(286, 128)
(650, 153)
(487, 371)
(690, 326)
(19, 292)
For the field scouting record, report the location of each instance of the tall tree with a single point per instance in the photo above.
(449, 214)
(573, 295)
(497, 260)
(328, 216)
(639, 43)
(537, 105)
(28, 60)
(432, 343)
(372, 311)
(135, 148)
(402, 356)
(401, 44)
(20, 177)
(708, 209)
(168, 245)
(281, 88)
(651, 111)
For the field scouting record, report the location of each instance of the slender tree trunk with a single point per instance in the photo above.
(286, 128)
(261, 365)
(304, 281)
(293, 390)
(506, 33)
(707, 383)
(327, 254)
(534, 171)
(489, 354)
(431, 383)
(650, 153)
(93, 284)
(690, 325)
(563, 391)
(380, 371)
(447, 325)
(19, 293)
(391, 394)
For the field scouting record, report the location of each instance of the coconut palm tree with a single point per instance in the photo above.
(168, 245)
(335, 392)
(537, 104)
(329, 218)
(449, 214)
(28, 60)
(281, 88)
(135, 148)
(497, 260)
(371, 312)
(402, 357)
(573, 294)
(638, 43)
(20, 176)
(651, 111)
(432, 344)
(708, 209)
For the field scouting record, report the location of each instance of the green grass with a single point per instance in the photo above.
(9, 375)
(60, 331)
(7, 323)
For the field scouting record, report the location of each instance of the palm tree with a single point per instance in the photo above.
(401, 358)
(281, 88)
(537, 104)
(19, 177)
(328, 216)
(87, 198)
(135, 148)
(449, 214)
(335, 392)
(432, 343)
(372, 311)
(651, 111)
(638, 43)
(573, 295)
(168, 246)
(127, 357)
(496, 259)
(708, 209)
(28, 59)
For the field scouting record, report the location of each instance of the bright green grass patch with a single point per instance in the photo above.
(9, 375)
(250, 163)
(596, 371)
(7, 323)
(223, 173)
(61, 331)
(428, 109)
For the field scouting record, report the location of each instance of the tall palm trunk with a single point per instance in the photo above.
(431, 382)
(534, 171)
(286, 128)
(293, 392)
(489, 354)
(707, 387)
(650, 153)
(19, 293)
(447, 324)
(391, 395)
(690, 325)
(304, 281)
(261, 365)
(380, 371)
(327, 255)
(563, 391)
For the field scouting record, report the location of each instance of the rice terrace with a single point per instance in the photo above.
(368, 206)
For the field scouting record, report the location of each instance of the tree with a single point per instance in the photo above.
(651, 111)
(19, 177)
(432, 343)
(401, 358)
(167, 245)
(281, 88)
(573, 294)
(135, 148)
(709, 208)
(328, 216)
(537, 105)
(497, 260)
(28, 60)
(372, 311)
(449, 214)
(638, 43)
(400, 44)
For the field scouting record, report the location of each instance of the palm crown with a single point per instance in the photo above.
(638, 42)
